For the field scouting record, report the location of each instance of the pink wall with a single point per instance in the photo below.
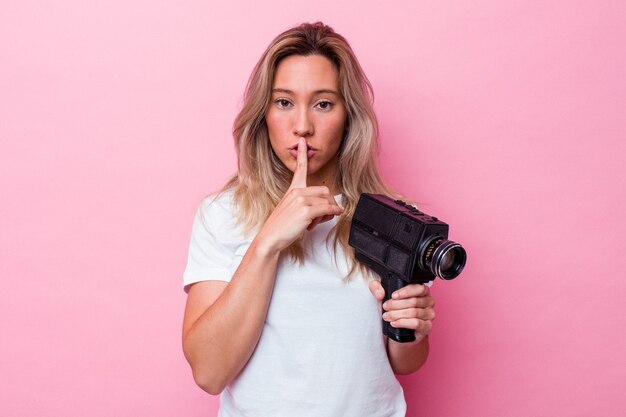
(504, 118)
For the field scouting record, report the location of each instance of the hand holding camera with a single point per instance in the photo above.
(406, 248)
(411, 307)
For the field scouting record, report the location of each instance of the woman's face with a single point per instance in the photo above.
(306, 103)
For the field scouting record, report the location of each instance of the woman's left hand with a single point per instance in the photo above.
(410, 307)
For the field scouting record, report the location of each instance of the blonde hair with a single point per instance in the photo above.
(262, 179)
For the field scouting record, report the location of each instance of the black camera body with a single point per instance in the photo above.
(403, 246)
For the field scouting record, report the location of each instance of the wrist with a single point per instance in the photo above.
(264, 248)
(419, 339)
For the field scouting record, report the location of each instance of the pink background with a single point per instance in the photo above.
(506, 119)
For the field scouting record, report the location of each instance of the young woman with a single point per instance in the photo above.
(280, 318)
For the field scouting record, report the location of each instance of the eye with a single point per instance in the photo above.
(282, 103)
(325, 105)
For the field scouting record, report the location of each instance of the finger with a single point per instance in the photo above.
(420, 326)
(321, 210)
(299, 175)
(313, 206)
(410, 313)
(411, 290)
(319, 191)
(314, 223)
(326, 218)
(377, 290)
(302, 198)
(319, 220)
(413, 302)
(314, 201)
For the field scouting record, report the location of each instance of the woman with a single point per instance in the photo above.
(280, 319)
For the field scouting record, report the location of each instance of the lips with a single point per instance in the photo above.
(308, 147)
(309, 152)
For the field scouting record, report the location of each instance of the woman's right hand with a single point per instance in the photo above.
(301, 208)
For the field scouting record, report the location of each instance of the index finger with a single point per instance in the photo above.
(299, 175)
(411, 290)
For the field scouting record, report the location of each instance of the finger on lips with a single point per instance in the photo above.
(299, 175)
(321, 213)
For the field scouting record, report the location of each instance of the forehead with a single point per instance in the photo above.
(312, 72)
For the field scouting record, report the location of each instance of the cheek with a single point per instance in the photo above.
(276, 125)
(334, 128)
(277, 136)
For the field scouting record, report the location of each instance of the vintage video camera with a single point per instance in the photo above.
(404, 246)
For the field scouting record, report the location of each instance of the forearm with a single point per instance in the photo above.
(222, 339)
(406, 358)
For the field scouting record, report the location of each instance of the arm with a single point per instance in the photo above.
(223, 321)
(411, 308)
(406, 358)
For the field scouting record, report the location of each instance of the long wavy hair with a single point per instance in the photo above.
(262, 179)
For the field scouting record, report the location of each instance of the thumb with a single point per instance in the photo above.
(377, 290)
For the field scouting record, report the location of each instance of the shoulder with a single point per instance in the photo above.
(218, 215)
(218, 205)
(215, 240)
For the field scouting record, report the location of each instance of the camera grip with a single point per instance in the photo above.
(390, 285)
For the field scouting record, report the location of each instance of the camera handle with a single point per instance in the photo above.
(390, 284)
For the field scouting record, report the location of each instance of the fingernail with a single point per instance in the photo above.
(395, 295)
(385, 305)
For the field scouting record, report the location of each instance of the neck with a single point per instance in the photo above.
(329, 180)
(326, 175)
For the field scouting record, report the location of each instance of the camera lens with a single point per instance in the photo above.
(444, 258)
(447, 260)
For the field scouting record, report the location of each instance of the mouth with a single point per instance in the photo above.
(310, 152)
(308, 147)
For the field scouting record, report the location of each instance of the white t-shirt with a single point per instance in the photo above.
(322, 351)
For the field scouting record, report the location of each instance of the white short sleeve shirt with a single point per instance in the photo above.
(321, 352)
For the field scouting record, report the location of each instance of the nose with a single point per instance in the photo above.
(303, 125)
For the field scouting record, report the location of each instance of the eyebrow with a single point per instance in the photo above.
(284, 90)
